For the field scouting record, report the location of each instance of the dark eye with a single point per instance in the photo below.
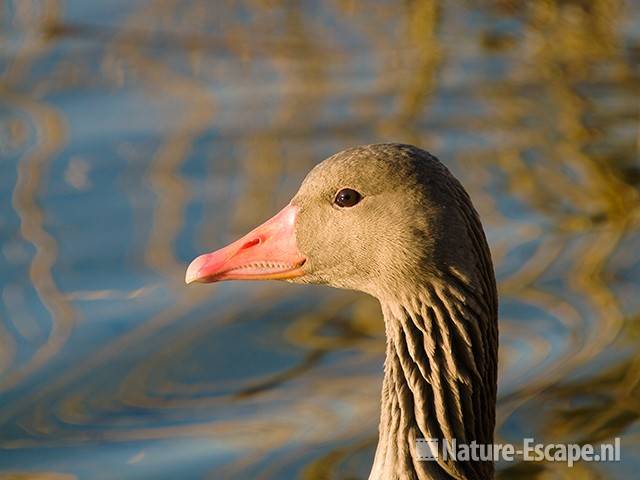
(347, 197)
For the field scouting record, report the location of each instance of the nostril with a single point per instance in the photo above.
(250, 243)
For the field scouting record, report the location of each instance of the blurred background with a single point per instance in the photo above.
(136, 135)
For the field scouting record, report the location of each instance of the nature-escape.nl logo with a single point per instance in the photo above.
(430, 449)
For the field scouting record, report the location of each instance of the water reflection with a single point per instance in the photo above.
(135, 135)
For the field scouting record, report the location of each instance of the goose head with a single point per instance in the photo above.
(377, 218)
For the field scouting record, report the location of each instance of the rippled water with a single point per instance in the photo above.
(135, 135)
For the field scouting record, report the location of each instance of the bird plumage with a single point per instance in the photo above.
(410, 236)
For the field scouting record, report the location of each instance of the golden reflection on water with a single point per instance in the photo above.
(133, 138)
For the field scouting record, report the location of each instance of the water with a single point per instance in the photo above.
(136, 135)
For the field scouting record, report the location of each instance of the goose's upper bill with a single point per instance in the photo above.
(268, 252)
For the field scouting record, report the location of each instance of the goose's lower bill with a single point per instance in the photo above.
(268, 252)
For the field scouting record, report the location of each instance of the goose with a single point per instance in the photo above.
(391, 220)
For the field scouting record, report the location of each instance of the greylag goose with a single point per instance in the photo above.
(392, 221)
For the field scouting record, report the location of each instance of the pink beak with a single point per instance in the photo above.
(266, 253)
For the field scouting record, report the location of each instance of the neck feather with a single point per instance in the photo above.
(440, 377)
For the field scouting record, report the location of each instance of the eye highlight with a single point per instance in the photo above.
(347, 197)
